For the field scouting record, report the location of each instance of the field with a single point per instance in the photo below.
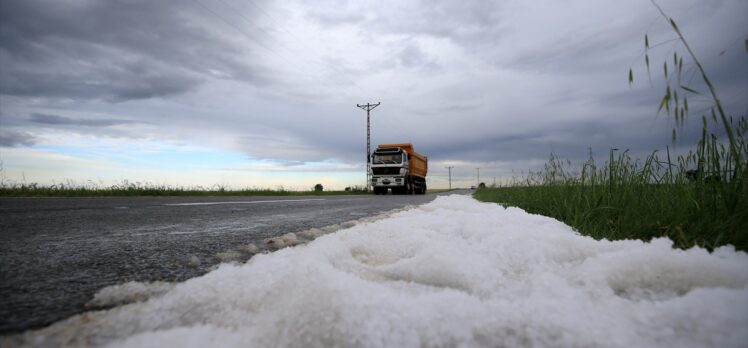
(127, 188)
(627, 199)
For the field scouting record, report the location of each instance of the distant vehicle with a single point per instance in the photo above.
(472, 187)
(400, 168)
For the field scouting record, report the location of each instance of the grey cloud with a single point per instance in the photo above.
(473, 22)
(9, 138)
(126, 50)
(411, 56)
(113, 50)
(282, 147)
(572, 53)
(115, 85)
(296, 146)
(442, 108)
(67, 121)
(728, 73)
(287, 138)
(458, 20)
(335, 18)
(573, 142)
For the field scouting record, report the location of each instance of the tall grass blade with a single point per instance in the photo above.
(631, 77)
(688, 89)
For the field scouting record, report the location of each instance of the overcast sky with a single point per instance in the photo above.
(263, 93)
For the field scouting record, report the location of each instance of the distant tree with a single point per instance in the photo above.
(318, 188)
(348, 188)
(482, 185)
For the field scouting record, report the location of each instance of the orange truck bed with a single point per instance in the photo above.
(418, 164)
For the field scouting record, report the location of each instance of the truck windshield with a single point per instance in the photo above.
(385, 159)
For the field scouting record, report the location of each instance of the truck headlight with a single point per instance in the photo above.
(402, 171)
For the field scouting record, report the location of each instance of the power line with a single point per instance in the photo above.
(368, 107)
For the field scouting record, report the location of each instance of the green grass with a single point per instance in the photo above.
(128, 189)
(626, 199)
(700, 198)
(145, 189)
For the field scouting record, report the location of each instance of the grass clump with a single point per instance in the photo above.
(700, 198)
(630, 199)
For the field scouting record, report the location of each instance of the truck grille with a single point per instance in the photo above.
(386, 171)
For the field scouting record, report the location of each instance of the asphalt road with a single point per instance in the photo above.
(56, 253)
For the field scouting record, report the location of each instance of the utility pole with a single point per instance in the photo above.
(478, 183)
(368, 107)
(450, 176)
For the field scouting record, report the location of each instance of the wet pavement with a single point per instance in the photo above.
(56, 253)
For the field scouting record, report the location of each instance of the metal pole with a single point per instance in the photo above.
(368, 107)
(478, 183)
(450, 176)
(368, 149)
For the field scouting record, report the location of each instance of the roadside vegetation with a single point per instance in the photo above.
(127, 188)
(698, 198)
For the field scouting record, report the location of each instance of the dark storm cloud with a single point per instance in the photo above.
(114, 50)
(67, 121)
(9, 138)
(728, 72)
(114, 84)
(572, 141)
(719, 49)
(572, 54)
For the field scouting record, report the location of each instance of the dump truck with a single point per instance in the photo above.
(400, 168)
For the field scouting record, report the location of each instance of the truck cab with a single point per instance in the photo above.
(398, 167)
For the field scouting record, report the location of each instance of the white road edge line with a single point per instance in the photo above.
(245, 202)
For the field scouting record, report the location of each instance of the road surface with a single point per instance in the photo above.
(55, 253)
